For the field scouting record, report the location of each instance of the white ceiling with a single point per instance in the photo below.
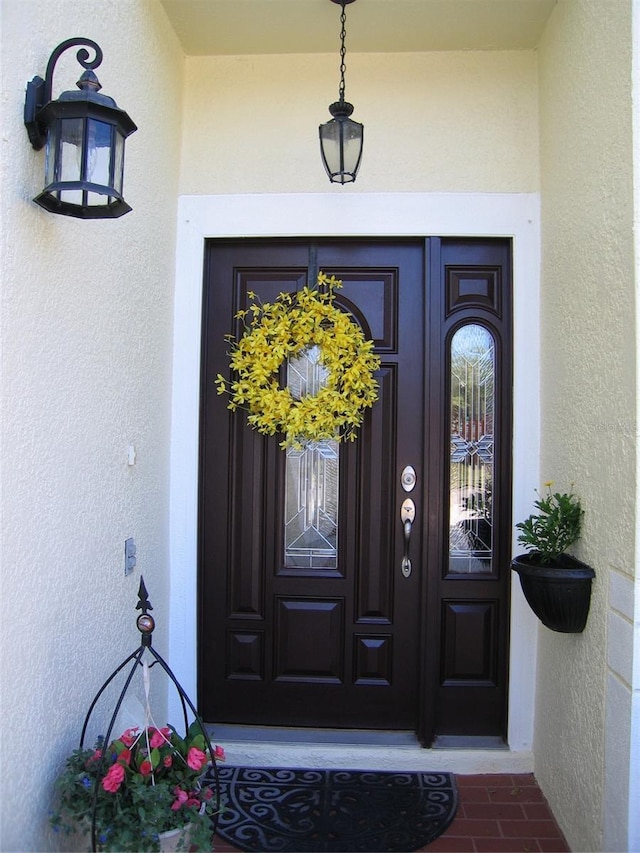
(207, 27)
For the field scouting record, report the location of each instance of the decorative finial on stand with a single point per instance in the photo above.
(145, 623)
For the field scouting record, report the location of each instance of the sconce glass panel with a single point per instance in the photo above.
(118, 163)
(53, 140)
(70, 141)
(97, 166)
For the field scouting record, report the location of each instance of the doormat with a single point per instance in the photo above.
(303, 811)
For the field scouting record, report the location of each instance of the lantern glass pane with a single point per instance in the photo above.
(51, 153)
(98, 162)
(118, 165)
(71, 136)
(352, 141)
(330, 135)
(71, 133)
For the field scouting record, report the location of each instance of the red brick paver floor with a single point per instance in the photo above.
(500, 814)
(503, 813)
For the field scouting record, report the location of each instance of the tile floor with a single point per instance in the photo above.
(496, 814)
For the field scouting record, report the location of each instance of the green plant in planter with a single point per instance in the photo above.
(555, 584)
(144, 783)
(554, 528)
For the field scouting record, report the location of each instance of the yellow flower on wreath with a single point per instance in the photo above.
(283, 329)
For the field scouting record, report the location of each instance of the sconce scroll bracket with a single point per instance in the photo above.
(39, 90)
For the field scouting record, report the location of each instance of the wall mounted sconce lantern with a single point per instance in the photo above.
(341, 138)
(84, 134)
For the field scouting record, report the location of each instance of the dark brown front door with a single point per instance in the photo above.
(323, 628)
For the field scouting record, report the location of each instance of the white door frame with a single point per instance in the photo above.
(352, 214)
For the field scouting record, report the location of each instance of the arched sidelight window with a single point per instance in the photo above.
(472, 384)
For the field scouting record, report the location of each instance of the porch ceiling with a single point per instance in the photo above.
(208, 27)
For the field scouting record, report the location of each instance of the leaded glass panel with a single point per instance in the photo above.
(471, 454)
(311, 485)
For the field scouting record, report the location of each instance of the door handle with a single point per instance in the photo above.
(407, 516)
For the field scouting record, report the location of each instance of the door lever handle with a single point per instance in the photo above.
(407, 516)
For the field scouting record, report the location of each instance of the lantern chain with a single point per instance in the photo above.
(343, 52)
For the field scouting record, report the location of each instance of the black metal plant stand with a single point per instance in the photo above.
(145, 624)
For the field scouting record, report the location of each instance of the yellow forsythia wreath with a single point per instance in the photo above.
(278, 331)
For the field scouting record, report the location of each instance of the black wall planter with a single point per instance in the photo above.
(559, 594)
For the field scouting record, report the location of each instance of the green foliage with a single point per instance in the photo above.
(555, 526)
(144, 783)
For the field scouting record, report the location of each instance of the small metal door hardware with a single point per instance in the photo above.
(408, 478)
(407, 516)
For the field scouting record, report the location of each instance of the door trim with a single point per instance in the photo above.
(349, 214)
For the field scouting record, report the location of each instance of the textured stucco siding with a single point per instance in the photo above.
(87, 311)
(588, 428)
(88, 368)
(445, 122)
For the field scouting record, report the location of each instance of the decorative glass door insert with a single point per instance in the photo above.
(311, 483)
(471, 461)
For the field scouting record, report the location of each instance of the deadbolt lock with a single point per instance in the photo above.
(408, 478)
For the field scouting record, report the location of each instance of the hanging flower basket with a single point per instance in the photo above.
(150, 788)
(306, 322)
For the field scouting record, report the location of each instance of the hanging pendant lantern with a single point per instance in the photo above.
(341, 138)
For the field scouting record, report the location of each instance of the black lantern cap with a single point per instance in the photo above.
(341, 109)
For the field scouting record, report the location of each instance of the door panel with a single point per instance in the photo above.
(313, 645)
(471, 286)
(300, 641)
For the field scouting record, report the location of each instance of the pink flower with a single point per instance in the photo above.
(218, 753)
(129, 736)
(167, 760)
(146, 767)
(207, 793)
(192, 803)
(160, 737)
(196, 758)
(114, 778)
(97, 755)
(124, 757)
(181, 797)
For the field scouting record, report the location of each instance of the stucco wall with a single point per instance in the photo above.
(588, 407)
(87, 310)
(634, 754)
(433, 122)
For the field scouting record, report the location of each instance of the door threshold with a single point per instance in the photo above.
(283, 735)
(468, 742)
(348, 749)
